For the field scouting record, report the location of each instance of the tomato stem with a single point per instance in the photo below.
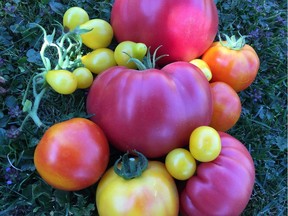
(232, 42)
(131, 167)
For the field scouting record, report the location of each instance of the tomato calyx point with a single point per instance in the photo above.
(149, 61)
(232, 42)
(131, 167)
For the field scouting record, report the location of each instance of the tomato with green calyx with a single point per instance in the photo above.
(205, 144)
(137, 186)
(72, 155)
(62, 81)
(233, 62)
(141, 109)
(100, 34)
(203, 66)
(84, 77)
(180, 164)
(74, 17)
(127, 49)
(222, 186)
(226, 106)
(99, 60)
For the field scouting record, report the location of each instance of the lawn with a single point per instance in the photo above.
(262, 126)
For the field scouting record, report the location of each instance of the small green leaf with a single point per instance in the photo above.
(27, 106)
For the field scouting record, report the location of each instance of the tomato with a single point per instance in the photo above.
(62, 81)
(232, 62)
(222, 186)
(151, 192)
(72, 155)
(74, 17)
(203, 66)
(143, 109)
(99, 60)
(205, 144)
(184, 28)
(180, 164)
(129, 49)
(84, 77)
(226, 106)
(100, 36)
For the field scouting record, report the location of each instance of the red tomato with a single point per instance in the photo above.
(152, 111)
(238, 68)
(226, 106)
(72, 155)
(223, 186)
(185, 28)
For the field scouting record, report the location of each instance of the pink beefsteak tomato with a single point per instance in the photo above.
(152, 110)
(185, 28)
(222, 186)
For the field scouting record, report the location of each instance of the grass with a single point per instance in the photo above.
(262, 126)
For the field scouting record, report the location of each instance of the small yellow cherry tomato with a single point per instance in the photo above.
(74, 17)
(180, 164)
(125, 49)
(100, 36)
(205, 144)
(62, 81)
(84, 77)
(203, 66)
(99, 60)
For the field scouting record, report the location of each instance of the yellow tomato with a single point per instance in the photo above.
(99, 60)
(154, 192)
(100, 34)
(205, 144)
(74, 17)
(84, 77)
(203, 66)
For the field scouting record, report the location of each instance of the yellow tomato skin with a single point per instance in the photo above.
(99, 60)
(153, 193)
(84, 77)
(62, 81)
(205, 144)
(180, 164)
(203, 66)
(100, 36)
(74, 17)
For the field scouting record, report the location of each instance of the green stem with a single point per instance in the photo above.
(131, 167)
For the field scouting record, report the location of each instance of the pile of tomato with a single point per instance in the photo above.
(165, 96)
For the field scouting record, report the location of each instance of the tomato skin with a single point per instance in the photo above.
(143, 109)
(223, 186)
(205, 144)
(62, 81)
(180, 164)
(154, 24)
(203, 66)
(237, 68)
(84, 77)
(99, 60)
(226, 106)
(72, 155)
(74, 17)
(153, 193)
(100, 36)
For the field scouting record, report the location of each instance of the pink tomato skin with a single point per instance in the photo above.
(223, 186)
(185, 28)
(152, 111)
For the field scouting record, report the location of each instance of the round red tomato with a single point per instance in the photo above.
(184, 28)
(236, 66)
(152, 111)
(223, 186)
(72, 155)
(226, 106)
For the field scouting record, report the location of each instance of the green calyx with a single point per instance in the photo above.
(148, 61)
(132, 165)
(232, 42)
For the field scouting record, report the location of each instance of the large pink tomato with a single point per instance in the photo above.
(152, 111)
(185, 28)
(221, 187)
